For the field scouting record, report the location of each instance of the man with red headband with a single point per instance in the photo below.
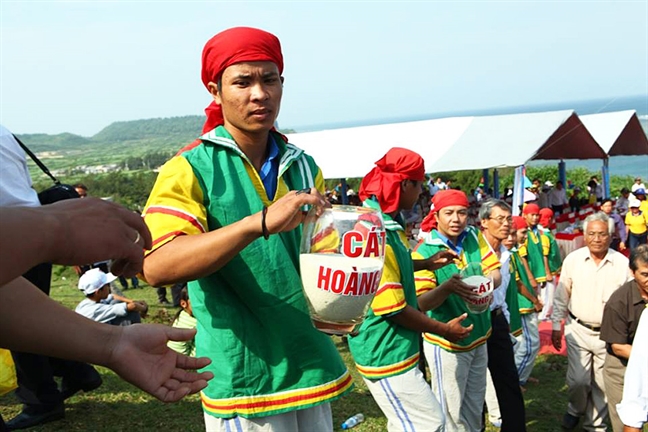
(386, 349)
(528, 346)
(225, 216)
(553, 263)
(461, 392)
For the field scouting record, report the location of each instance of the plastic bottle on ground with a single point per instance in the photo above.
(353, 421)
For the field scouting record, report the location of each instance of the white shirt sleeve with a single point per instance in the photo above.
(562, 296)
(15, 182)
(101, 312)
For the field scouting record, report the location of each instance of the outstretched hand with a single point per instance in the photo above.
(456, 331)
(440, 259)
(140, 356)
(86, 223)
(459, 287)
(286, 213)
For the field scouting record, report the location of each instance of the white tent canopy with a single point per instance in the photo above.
(512, 140)
(618, 133)
(352, 152)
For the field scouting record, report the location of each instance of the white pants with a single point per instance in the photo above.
(585, 359)
(492, 404)
(408, 402)
(528, 346)
(458, 381)
(315, 419)
(547, 296)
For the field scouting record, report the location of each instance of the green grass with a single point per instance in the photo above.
(118, 406)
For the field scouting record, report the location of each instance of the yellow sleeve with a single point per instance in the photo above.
(490, 261)
(522, 249)
(175, 206)
(425, 280)
(390, 297)
(546, 245)
(319, 182)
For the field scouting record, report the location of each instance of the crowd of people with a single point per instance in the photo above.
(224, 217)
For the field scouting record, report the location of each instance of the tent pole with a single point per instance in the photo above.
(496, 193)
(562, 173)
(518, 190)
(486, 180)
(606, 177)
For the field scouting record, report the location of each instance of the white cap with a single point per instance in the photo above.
(634, 202)
(548, 183)
(350, 192)
(92, 280)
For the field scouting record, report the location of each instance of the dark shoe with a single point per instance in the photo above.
(68, 390)
(569, 422)
(164, 302)
(28, 419)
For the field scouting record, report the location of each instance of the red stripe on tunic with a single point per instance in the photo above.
(167, 211)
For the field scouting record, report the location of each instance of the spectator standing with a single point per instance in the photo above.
(225, 215)
(589, 277)
(618, 228)
(620, 321)
(622, 202)
(543, 195)
(636, 223)
(184, 320)
(637, 185)
(558, 198)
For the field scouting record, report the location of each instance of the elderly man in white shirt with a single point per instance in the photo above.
(496, 222)
(589, 276)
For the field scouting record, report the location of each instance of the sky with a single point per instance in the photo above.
(79, 66)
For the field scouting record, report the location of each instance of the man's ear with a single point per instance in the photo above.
(213, 90)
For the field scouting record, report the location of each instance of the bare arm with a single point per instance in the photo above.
(32, 322)
(416, 320)
(522, 289)
(436, 261)
(621, 350)
(68, 233)
(545, 258)
(195, 256)
(434, 298)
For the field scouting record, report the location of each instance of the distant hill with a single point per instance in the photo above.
(187, 127)
(45, 142)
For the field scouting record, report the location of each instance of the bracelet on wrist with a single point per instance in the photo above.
(264, 228)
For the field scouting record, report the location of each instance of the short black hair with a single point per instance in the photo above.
(640, 253)
(80, 186)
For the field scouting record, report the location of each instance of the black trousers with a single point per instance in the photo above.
(37, 390)
(501, 364)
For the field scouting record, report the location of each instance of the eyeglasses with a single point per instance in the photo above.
(601, 235)
(501, 219)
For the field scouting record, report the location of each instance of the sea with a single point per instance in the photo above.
(619, 165)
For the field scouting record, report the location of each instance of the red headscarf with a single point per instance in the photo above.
(545, 217)
(440, 200)
(235, 45)
(519, 222)
(384, 180)
(531, 208)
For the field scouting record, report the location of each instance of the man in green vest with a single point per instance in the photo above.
(458, 368)
(386, 349)
(225, 216)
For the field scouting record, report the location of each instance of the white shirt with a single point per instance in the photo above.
(499, 294)
(585, 287)
(103, 311)
(15, 182)
(636, 186)
(633, 409)
(558, 197)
